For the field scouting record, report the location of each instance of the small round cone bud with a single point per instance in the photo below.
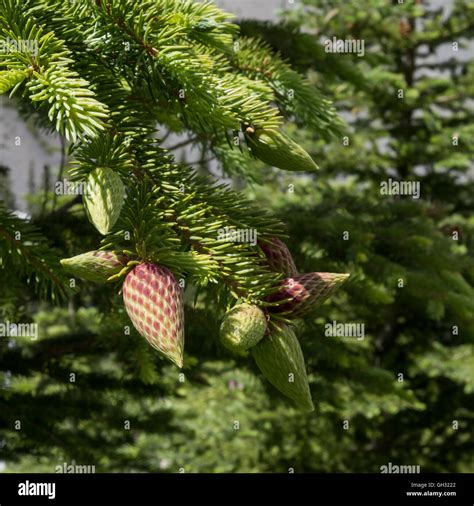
(276, 149)
(104, 198)
(152, 298)
(94, 266)
(280, 359)
(243, 327)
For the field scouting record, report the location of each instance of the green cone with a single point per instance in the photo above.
(104, 198)
(243, 327)
(94, 266)
(280, 359)
(278, 150)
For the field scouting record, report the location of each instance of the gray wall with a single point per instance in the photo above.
(256, 9)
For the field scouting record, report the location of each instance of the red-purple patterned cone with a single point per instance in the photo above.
(279, 258)
(152, 298)
(305, 292)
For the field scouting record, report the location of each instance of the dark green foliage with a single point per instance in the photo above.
(403, 393)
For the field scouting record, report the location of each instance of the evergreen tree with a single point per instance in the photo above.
(403, 393)
(110, 77)
(410, 254)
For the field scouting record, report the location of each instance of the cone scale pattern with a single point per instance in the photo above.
(305, 292)
(280, 359)
(152, 298)
(278, 256)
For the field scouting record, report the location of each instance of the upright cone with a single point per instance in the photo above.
(104, 198)
(280, 359)
(152, 298)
